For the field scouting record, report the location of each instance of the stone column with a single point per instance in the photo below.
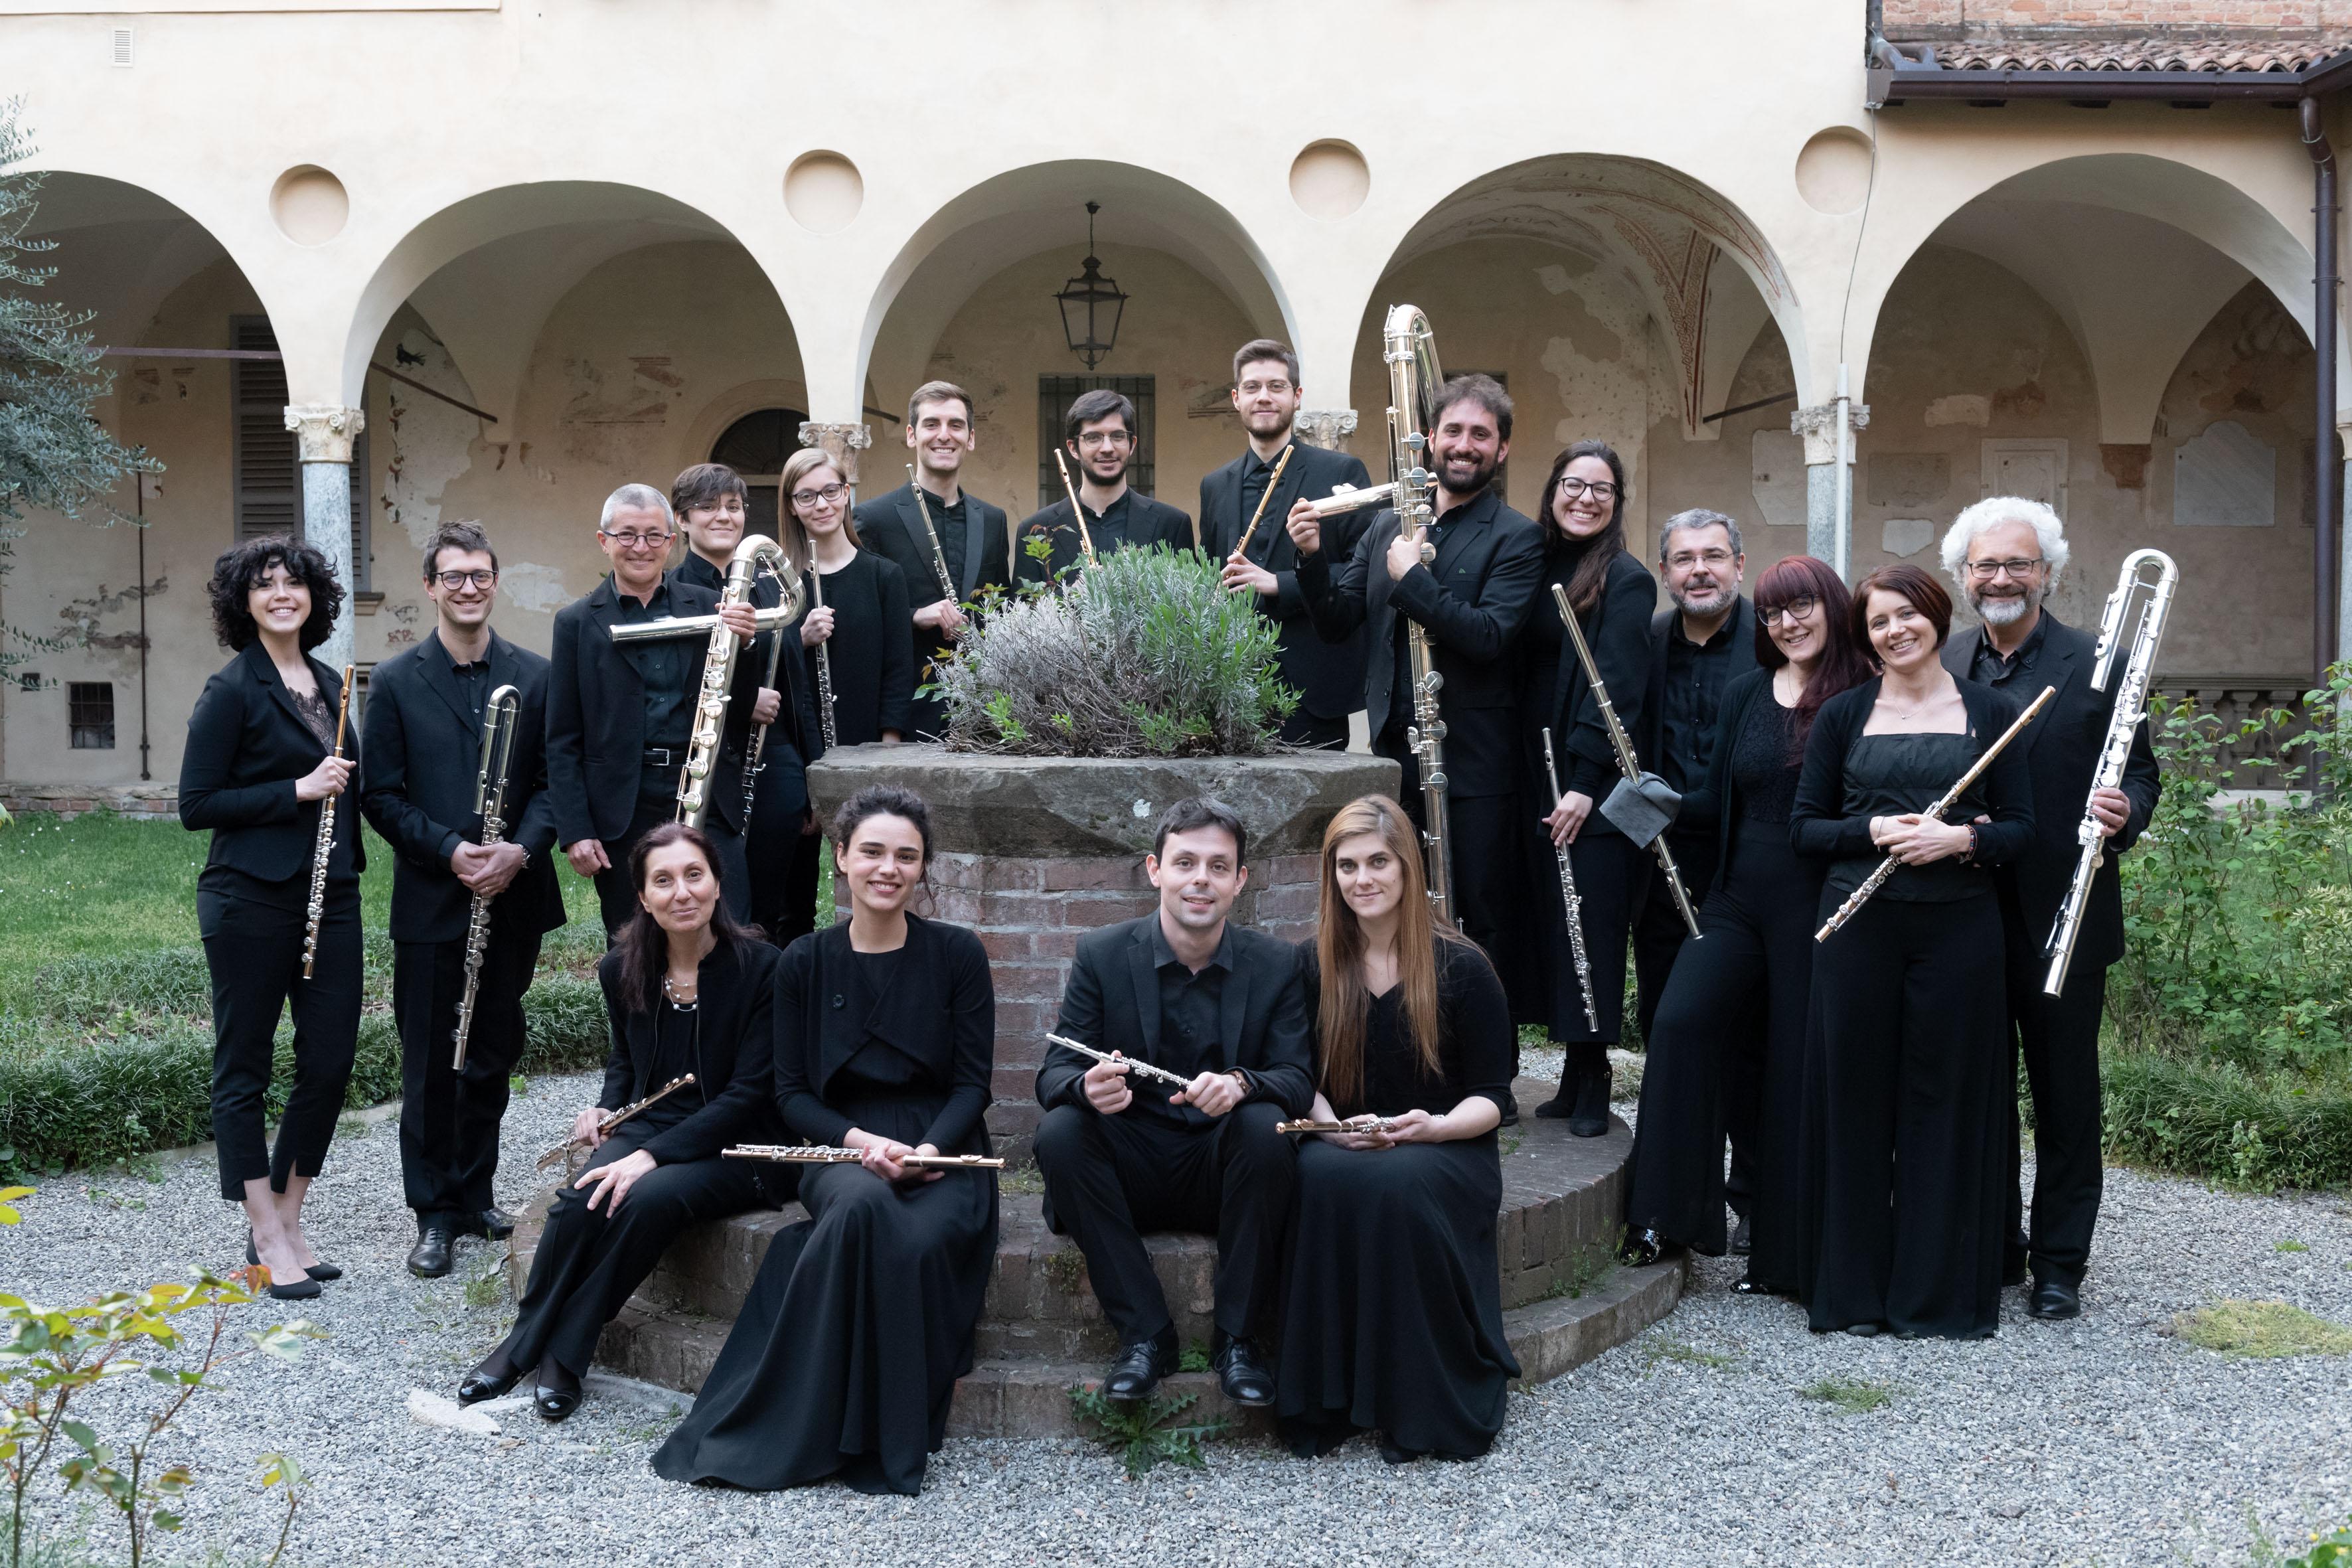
(324, 433)
(842, 443)
(1325, 427)
(1819, 427)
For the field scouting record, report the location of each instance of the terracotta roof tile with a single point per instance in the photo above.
(2221, 53)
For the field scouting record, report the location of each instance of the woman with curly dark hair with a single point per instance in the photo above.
(258, 769)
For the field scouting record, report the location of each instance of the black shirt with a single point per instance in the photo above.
(662, 667)
(1988, 667)
(678, 1051)
(947, 524)
(1696, 676)
(473, 678)
(1256, 472)
(1189, 1003)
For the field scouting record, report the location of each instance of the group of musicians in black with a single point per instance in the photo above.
(1862, 1081)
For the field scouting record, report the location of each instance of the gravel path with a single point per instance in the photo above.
(2101, 1440)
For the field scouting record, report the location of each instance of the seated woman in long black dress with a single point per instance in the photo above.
(1907, 1077)
(687, 990)
(1395, 1316)
(846, 1356)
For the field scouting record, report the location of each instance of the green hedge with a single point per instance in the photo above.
(2214, 1118)
(115, 1058)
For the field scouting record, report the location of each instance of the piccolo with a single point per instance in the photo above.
(1146, 1069)
(1950, 798)
(820, 1155)
(563, 1151)
(1352, 1124)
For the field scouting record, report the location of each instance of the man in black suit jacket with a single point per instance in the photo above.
(1222, 1007)
(968, 532)
(1472, 598)
(2005, 553)
(1098, 435)
(619, 718)
(426, 712)
(1327, 676)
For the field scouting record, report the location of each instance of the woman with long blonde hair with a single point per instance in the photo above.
(1395, 1317)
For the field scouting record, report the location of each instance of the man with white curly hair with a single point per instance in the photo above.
(2005, 555)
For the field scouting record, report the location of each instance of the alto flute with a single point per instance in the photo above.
(2115, 751)
(1352, 1124)
(1274, 481)
(1627, 762)
(824, 664)
(1143, 1069)
(1572, 900)
(564, 1151)
(328, 806)
(931, 535)
(1949, 798)
(499, 718)
(1078, 509)
(821, 1154)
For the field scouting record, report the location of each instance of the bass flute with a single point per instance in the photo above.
(499, 717)
(327, 808)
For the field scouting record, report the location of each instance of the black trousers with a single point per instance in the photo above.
(779, 810)
(253, 951)
(797, 915)
(1658, 937)
(2059, 1038)
(1905, 1154)
(1304, 729)
(1111, 1180)
(617, 895)
(589, 1264)
(449, 1120)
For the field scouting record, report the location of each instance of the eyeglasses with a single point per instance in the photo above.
(832, 492)
(640, 541)
(1795, 610)
(453, 580)
(1986, 571)
(1094, 439)
(1601, 488)
(1685, 560)
(1277, 386)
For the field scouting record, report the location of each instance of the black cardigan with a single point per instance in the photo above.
(1818, 824)
(1477, 1043)
(247, 746)
(1554, 691)
(734, 1075)
(872, 665)
(941, 1013)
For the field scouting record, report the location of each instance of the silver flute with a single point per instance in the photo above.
(501, 717)
(1144, 1068)
(324, 850)
(821, 1154)
(823, 662)
(1572, 898)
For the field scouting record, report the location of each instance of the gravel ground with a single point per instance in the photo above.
(2100, 1440)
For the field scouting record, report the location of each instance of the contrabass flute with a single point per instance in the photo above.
(1949, 798)
(821, 1154)
(326, 848)
(1409, 349)
(563, 1151)
(1627, 762)
(2131, 707)
(500, 716)
(1569, 897)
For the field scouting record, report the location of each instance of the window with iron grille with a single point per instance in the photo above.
(1054, 395)
(90, 709)
(266, 464)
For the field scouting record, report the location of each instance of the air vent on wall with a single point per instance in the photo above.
(121, 46)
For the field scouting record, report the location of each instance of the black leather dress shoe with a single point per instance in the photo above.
(1242, 1376)
(483, 1383)
(1743, 1238)
(556, 1394)
(497, 1224)
(319, 1269)
(1748, 1285)
(429, 1258)
(1639, 1248)
(1137, 1371)
(2054, 1299)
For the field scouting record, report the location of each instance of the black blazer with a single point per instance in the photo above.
(424, 756)
(597, 717)
(795, 723)
(1147, 522)
(246, 746)
(1328, 676)
(1650, 741)
(1472, 599)
(1714, 804)
(1111, 1000)
(734, 1075)
(1818, 824)
(872, 658)
(890, 526)
(940, 1013)
(1555, 692)
(2062, 749)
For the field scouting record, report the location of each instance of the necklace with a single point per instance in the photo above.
(683, 1004)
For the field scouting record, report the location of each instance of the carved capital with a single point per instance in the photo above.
(842, 443)
(1325, 427)
(1818, 425)
(325, 431)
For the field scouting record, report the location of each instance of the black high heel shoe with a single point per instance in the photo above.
(319, 1270)
(484, 1382)
(555, 1400)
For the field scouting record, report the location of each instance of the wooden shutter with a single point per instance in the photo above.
(266, 465)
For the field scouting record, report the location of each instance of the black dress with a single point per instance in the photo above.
(1745, 989)
(1394, 1321)
(1904, 1156)
(845, 1359)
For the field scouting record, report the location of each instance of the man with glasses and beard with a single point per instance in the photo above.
(1472, 599)
(425, 711)
(620, 717)
(2005, 555)
(1328, 677)
(1098, 439)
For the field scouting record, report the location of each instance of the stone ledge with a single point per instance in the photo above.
(135, 803)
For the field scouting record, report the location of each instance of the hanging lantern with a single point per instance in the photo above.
(1091, 304)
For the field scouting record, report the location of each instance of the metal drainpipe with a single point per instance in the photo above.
(2323, 323)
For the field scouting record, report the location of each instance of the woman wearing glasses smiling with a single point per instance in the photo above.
(857, 636)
